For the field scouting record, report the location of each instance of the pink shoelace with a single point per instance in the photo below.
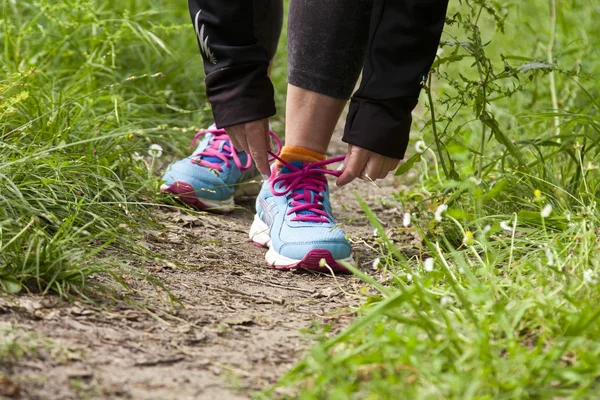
(306, 185)
(224, 153)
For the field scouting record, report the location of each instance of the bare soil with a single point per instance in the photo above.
(237, 330)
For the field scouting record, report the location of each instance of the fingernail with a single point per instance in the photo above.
(266, 177)
(341, 167)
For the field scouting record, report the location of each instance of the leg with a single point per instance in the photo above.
(215, 174)
(311, 118)
(268, 22)
(327, 45)
(294, 219)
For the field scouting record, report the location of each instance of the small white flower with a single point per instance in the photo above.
(504, 225)
(439, 211)
(445, 300)
(376, 263)
(137, 156)
(428, 264)
(589, 276)
(568, 216)
(439, 51)
(549, 256)
(546, 211)
(486, 229)
(406, 220)
(155, 150)
(420, 146)
(476, 181)
(409, 277)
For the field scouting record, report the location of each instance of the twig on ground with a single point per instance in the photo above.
(160, 361)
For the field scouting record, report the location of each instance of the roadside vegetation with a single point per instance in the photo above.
(92, 94)
(502, 300)
(502, 190)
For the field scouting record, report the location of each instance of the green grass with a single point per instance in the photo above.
(508, 309)
(85, 88)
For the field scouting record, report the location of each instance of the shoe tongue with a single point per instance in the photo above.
(286, 169)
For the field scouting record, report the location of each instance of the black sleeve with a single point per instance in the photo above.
(236, 64)
(403, 41)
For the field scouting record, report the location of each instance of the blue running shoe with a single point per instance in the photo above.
(214, 174)
(294, 219)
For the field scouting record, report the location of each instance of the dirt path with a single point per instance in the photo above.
(239, 329)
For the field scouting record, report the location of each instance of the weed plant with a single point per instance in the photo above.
(502, 302)
(86, 87)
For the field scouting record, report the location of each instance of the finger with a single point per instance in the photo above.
(374, 167)
(258, 145)
(240, 144)
(388, 165)
(353, 165)
(392, 166)
(237, 138)
(385, 171)
(267, 135)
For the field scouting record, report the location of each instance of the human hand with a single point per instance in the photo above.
(362, 163)
(253, 138)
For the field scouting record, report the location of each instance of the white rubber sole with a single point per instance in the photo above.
(315, 260)
(259, 233)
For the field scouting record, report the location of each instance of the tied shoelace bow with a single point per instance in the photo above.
(220, 150)
(306, 185)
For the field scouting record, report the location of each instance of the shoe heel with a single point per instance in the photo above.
(249, 189)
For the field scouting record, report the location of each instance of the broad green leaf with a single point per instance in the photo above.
(404, 168)
(459, 214)
(496, 189)
(10, 285)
